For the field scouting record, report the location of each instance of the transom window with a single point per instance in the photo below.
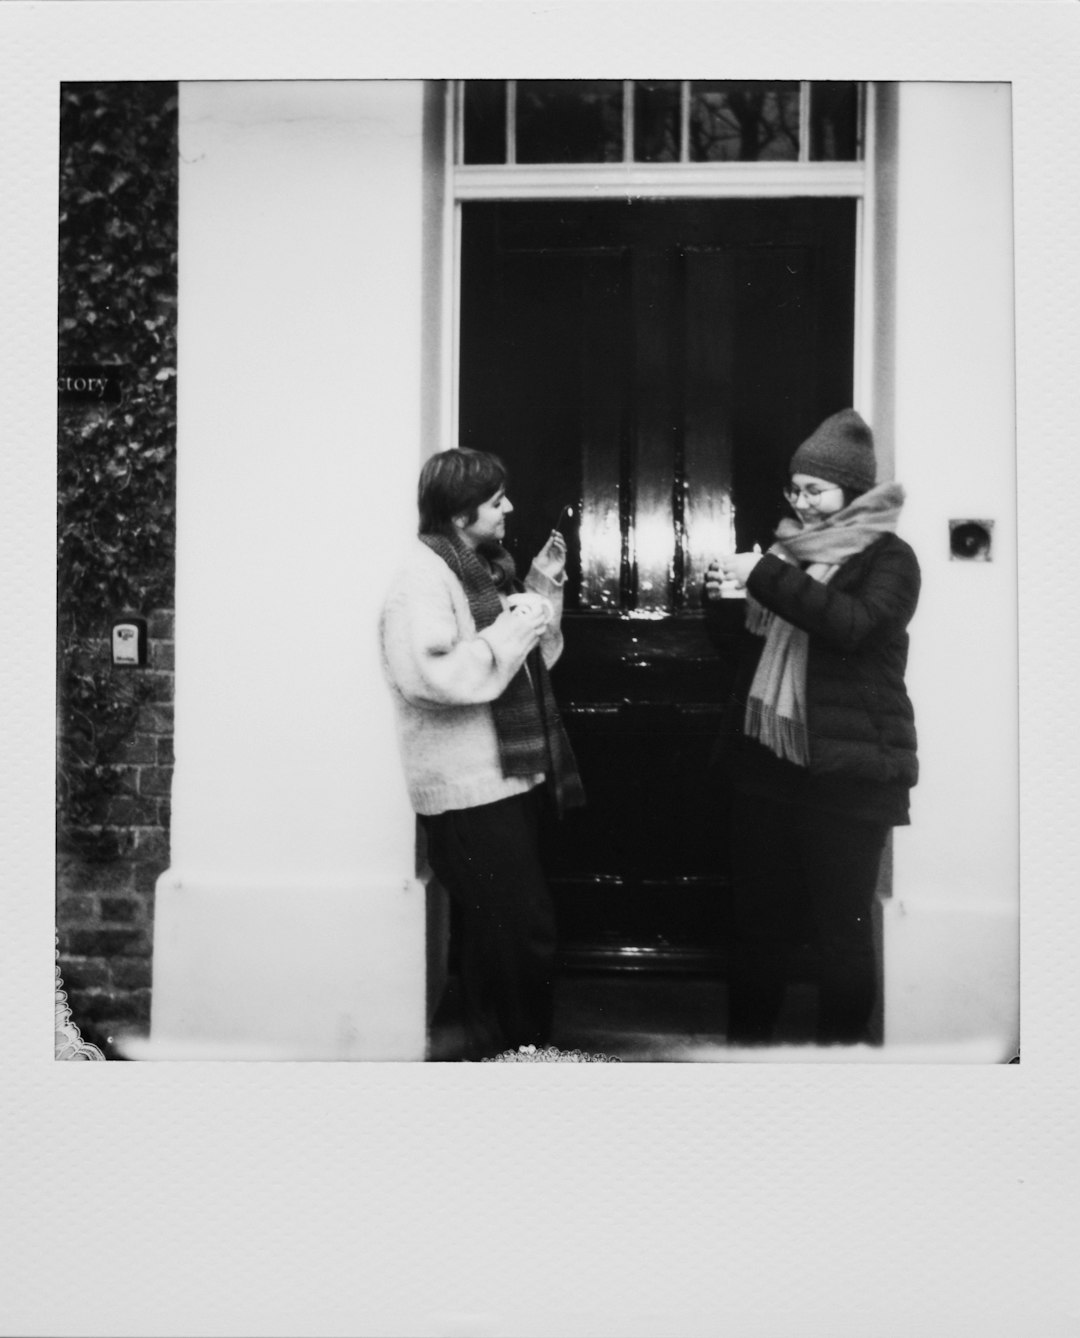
(533, 121)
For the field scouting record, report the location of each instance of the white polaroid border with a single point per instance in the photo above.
(355, 1199)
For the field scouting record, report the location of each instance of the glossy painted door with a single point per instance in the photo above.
(653, 364)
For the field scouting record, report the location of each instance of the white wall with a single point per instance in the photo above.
(291, 922)
(951, 929)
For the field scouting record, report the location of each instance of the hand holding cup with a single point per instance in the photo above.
(719, 584)
(527, 604)
(727, 575)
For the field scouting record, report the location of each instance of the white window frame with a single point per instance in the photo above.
(630, 180)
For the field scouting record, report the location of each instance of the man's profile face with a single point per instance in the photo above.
(490, 523)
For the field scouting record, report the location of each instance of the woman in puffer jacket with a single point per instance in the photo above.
(820, 750)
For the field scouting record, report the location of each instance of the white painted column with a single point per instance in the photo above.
(951, 927)
(291, 923)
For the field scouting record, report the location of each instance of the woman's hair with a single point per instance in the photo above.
(455, 482)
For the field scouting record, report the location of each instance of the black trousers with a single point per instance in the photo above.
(803, 884)
(488, 860)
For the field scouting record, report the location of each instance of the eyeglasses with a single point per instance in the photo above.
(812, 495)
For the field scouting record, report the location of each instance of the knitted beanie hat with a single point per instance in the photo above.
(841, 451)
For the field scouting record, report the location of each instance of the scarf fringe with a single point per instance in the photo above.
(786, 738)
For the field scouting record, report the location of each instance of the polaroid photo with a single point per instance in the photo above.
(537, 538)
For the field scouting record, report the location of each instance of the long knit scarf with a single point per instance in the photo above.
(776, 706)
(527, 724)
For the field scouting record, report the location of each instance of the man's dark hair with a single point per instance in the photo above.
(456, 482)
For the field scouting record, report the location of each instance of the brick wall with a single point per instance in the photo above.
(105, 906)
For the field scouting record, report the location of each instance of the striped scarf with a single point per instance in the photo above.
(531, 736)
(776, 706)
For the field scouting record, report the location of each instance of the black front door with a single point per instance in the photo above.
(653, 364)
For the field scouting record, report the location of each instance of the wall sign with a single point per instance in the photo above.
(128, 640)
(84, 384)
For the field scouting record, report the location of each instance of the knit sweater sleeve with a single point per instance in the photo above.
(430, 658)
(884, 599)
(551, 641)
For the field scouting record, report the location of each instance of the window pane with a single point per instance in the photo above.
(744, 122)
(656, 122)
(485, 121)
(834, 122)
(569, 121)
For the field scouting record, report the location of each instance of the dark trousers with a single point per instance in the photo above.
(803, 885)
(488, 861)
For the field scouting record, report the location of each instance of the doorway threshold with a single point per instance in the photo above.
(640, 1017)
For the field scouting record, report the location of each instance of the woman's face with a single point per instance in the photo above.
(813, 499)
(490, 523)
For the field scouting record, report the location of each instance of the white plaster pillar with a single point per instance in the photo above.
(291, 923)
(951, 927)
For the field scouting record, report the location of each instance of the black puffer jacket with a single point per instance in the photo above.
(860, 719)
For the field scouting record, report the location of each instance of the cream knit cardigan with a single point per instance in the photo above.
(443, 675)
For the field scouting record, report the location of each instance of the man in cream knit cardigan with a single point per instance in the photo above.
(465, 650)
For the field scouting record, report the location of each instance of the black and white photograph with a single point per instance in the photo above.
(548, 549)
(667, 355)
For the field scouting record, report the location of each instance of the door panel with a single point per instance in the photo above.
(654, 364)
(652, 485)
(709, 395)
(605, 418)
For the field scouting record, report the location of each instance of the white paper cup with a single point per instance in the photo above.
(528, 602)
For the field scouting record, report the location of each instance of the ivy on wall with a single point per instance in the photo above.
(116, 461)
